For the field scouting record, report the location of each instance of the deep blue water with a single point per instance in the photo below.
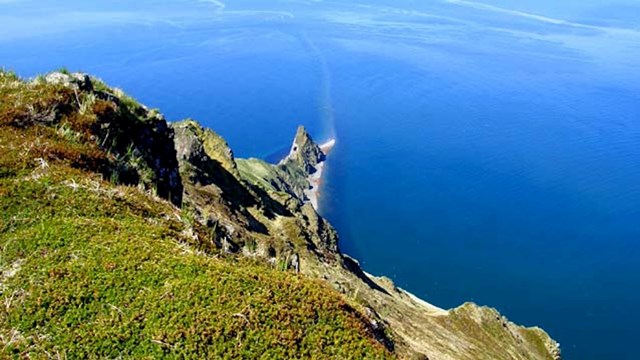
(486, 151)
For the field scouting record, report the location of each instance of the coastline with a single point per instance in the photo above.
(431, 309)
(296, 238)
(315, 179)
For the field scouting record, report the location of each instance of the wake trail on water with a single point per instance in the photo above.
(326, 98)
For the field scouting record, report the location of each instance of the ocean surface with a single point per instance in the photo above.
(487, 151)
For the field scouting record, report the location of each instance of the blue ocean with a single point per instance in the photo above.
(486, 151)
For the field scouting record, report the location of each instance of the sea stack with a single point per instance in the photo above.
(305, 152)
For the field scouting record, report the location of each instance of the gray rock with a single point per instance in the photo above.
(295, 262)
(305, 152)
(79, 81)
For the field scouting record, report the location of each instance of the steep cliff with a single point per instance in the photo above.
(291, 175)
(304, 153)
(157, 241)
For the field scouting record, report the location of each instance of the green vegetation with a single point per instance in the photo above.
(92, 269)
(282, 179)
(214, 145)
(116, 238)
(487, 328)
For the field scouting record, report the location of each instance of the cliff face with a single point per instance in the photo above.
(305, 153)
(239, 209)
(290, 177)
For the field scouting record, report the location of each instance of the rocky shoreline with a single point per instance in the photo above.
(315, 179)
(310, 158)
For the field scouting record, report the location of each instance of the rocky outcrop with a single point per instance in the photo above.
(305, 153)
(212, 188)
(209, 143)
(139, 141)
(285, 180)
(78, 81)
(292, 175)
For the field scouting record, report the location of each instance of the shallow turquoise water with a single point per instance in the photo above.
(486, 151)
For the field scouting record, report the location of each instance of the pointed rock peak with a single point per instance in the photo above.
(303, 141)
(302, 135)
(305, 152)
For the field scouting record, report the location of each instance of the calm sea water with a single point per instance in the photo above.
(486, 151)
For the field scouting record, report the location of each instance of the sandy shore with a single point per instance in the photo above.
(315, 179)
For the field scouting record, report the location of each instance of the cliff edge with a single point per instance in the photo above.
(124, 235)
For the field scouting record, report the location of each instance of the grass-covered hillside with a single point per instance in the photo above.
(98, 260)
(125, 236)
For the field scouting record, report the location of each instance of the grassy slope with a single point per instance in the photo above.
(91, 269)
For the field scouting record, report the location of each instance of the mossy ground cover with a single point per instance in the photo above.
(488, 329)
(90, 269)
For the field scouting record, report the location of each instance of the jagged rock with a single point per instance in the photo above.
(212, 144)
(286, 179)
(291, 175)
(305, 152)
(140, 141)
(142, 145)
(206, 159)
(295, 263)
(79, 81)
(190, 153)
(212, 182)
(146, 152)
(322, 234)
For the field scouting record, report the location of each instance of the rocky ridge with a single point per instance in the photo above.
(304, 153)
(259, 210)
